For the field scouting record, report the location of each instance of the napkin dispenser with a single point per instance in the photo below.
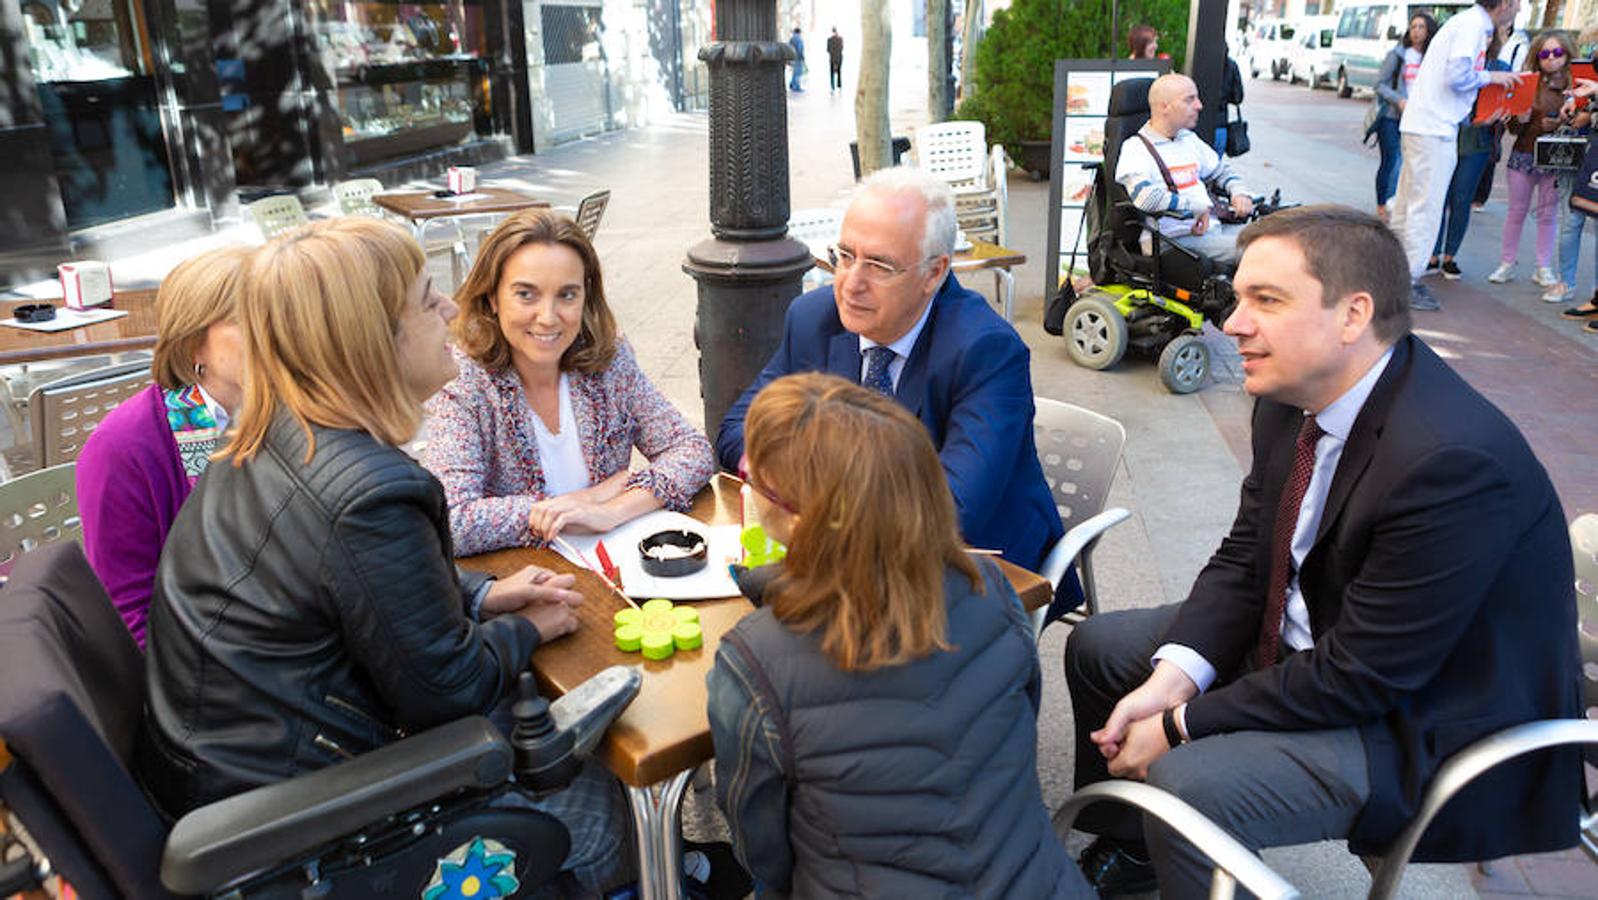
(461, 179)
(85, 284)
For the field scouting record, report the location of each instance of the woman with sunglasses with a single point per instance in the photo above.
(537, 434)
(875, 723)
(1549, 56)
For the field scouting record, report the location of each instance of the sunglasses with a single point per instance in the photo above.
(34, 312)
(1551, 53)
(773, 499)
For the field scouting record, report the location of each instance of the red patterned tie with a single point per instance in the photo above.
(1282, 541)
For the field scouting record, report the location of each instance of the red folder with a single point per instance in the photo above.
(1510, 100)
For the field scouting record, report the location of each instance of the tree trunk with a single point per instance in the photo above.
(871, 94)
(1552, 13)
(968, 48)
(938, 63)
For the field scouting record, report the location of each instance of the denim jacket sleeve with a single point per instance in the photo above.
(751, 786)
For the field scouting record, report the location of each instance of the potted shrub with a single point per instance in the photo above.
(1014, 91)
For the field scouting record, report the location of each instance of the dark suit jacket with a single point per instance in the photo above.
(969, 380)
(1441, 596)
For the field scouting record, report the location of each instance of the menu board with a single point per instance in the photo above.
(1081, 104)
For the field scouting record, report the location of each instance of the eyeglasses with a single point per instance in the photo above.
(873, 270)
(773, 499)
(1551, 53)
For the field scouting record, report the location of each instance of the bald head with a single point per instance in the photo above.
(1173, 104)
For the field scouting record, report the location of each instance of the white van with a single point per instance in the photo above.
(1268, 42)
(1311, 58)
(1366, 30)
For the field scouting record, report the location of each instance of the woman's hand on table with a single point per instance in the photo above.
(571, 511)
(530, 586)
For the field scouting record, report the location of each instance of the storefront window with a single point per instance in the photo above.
(404, 77)
(92, 67)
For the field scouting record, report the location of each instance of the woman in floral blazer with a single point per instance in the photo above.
(537, 433)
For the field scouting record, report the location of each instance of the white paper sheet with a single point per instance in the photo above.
(711, 582)
(71, 318)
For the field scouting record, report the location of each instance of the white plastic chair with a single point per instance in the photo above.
(277, 214)
(956, 152)
(817, 229)
(1079, 451)
(355, 197)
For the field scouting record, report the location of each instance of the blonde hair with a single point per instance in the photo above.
(477, 330)
(198, 293)
(320, 317)
(876, 527)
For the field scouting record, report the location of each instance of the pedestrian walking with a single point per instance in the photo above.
(1549, 57)
(1451, 73)
(835, 61)
(1475, 155)
(797, 42)
(1398, 72)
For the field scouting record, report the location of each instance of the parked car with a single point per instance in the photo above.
(1366, 30)
(1269, 43)
(1311, 58)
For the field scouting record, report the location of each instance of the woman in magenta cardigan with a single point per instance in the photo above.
(139, 465)
(537, 434)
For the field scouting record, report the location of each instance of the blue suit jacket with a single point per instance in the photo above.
(969, 380)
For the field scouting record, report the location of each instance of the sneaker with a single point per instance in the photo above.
(1451, 270)
(1504, 272)
(1545, 277)
(1421, 298)
(1431, 264)
(1559, 293)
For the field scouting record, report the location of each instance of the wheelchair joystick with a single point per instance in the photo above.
(544, 755)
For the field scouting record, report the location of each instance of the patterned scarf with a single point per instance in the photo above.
(193, 427)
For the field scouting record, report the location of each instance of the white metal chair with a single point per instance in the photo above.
(17, 383)
(1584, 547)
(1079, 451)
(277, 214)
(64, 412)
(817, 229)
(588, 212)
(1233, 863)
(38, 508)
(355, 197)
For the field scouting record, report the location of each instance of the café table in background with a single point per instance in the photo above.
(134, 331)
(665, 734)
(980, 256)
(423, 208)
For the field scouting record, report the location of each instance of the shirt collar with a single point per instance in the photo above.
(219, 412)
(1337, 419)
(907, 342)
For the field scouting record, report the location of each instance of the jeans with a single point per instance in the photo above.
(1456, 212)
(1392, 157)
(1571, 224)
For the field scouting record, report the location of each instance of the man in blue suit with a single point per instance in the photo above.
(896, 320)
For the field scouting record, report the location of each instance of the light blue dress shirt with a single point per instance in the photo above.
(1336, 420)
(901, 348)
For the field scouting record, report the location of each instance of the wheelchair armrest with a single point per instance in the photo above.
(1225, 852)
(588, 709)
(216, 844)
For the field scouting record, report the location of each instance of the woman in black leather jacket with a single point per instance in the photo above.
(306, 608)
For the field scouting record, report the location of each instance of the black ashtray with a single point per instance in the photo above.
(34, 312)
(672, 554)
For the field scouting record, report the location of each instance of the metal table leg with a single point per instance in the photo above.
(1004, 284)
(659, 842)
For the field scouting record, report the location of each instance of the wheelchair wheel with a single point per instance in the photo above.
(1095, 333)
(1184, 363)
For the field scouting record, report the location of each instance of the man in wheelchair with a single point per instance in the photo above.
(1168, 173)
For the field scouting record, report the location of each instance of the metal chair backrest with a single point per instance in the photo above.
(36, 509)
(590, 211)
(1079, 451)
(1584, 547)
(956, 152)
(355, 196)
(64, 412)
(277, 214)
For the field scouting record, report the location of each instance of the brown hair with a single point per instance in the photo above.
(477, 330)
(1139, 39)
(320, 317)
(876, 527)
(1347, 251)
(1542, 40)
(198, 293)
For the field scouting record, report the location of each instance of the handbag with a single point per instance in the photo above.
(1562, 151)
(1584, 193)
(1237, 135)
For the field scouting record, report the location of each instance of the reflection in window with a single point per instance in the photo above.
(571, 34)
(82, 42)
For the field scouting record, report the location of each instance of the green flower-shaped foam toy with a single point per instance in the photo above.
(658, 629)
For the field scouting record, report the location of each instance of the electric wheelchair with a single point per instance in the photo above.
(1155, 302)
(416, 818)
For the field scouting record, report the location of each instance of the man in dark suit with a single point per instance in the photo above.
(1397, 584)
(896, 320)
